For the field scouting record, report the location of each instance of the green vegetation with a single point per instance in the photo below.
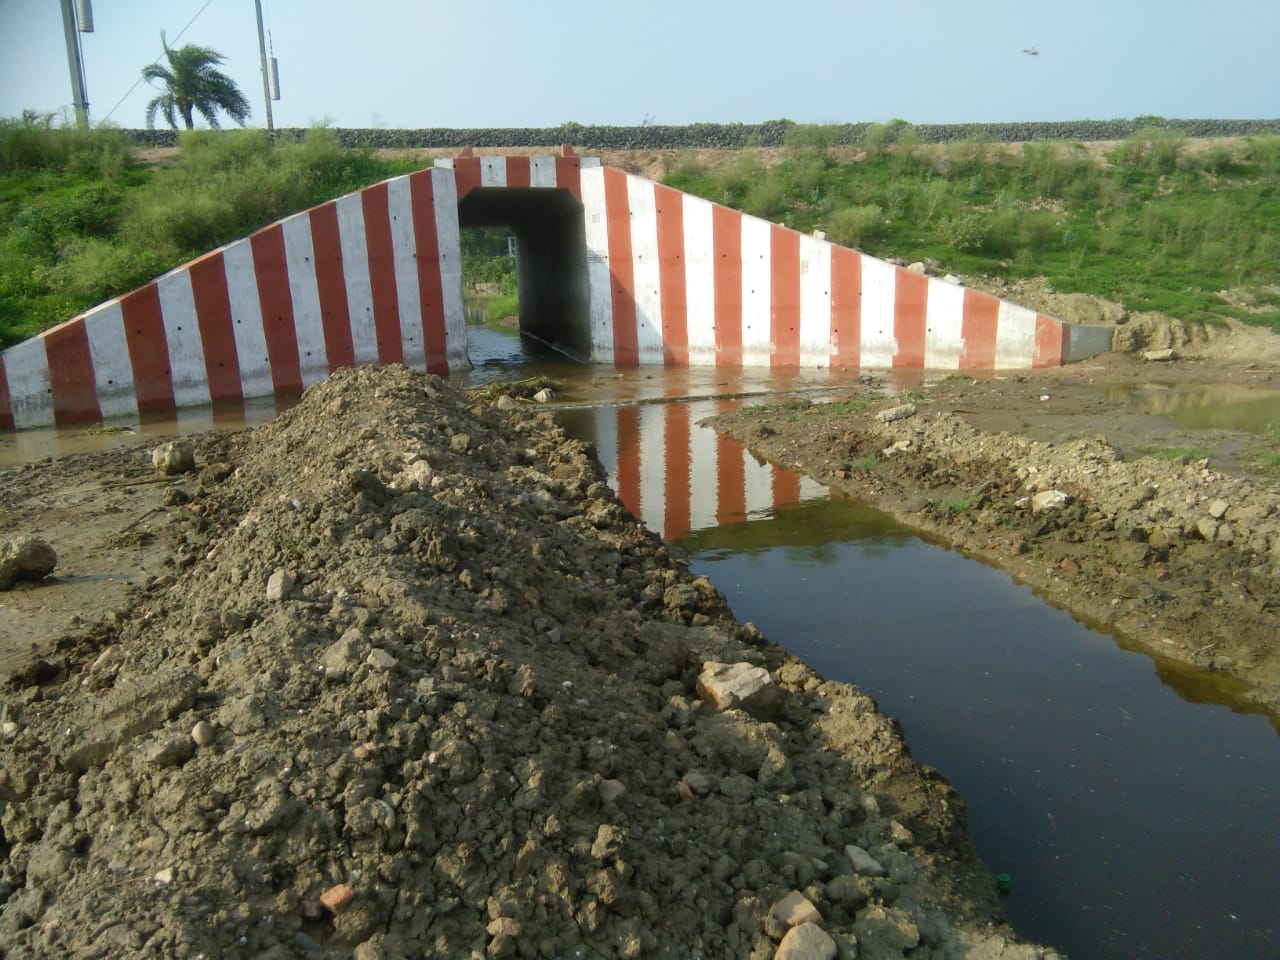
(1267, 454)
(1158, 224)
(1185, 454)
(82, 220)
(865, 464)
(489, 275)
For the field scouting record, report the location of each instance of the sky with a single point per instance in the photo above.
(497, 63)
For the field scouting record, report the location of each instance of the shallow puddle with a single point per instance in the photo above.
(1136, 811)
(1206, 406)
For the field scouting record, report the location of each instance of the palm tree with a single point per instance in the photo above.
(193, 82)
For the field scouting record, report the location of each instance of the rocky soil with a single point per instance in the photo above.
(1174, 555)
(401, 678)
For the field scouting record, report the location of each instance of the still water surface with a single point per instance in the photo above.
(1136, 820)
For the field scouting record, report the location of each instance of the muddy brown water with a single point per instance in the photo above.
(1134, 803)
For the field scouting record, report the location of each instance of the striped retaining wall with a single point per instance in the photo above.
(375, 277)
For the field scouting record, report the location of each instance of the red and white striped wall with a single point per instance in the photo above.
(677, 280)
(375, 277)
(678, 477)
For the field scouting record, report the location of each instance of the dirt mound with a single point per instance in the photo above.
(417, 685)
(1180, 559)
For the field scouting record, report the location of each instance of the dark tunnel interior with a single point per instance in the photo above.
(551, 259)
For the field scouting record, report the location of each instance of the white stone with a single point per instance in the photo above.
(545, 395)
(863, 862)
(897, 413)
(1159, 356)
(203, 733)
(279, 585)
(1218, 509)
(806, 942)
(175, 457)
(794, 909)
(727, 686)
(1049, 500)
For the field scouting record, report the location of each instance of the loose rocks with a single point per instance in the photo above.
(470, 726)
(25, 558)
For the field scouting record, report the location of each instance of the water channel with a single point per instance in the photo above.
(1135, 806)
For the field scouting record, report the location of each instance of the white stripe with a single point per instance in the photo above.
(758, 479)
(699, 281)
(1015, 337)
(703, 476)
(646, 281)
(355, 273)
(757, 279)
(444, 194)
(811, 489)
(246, 320)
(404, 252)
(187, 367)
(653, 468)
(542, 172)
(879, 291)
(308, 325)
(26, 366)
(943, 326)
(599, 291)
(112, 367)
(493, 171)
(815, 302)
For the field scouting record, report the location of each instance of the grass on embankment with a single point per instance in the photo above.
(1156, 222)
(82, 220)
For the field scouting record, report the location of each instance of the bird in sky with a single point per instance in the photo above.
(1031, 51)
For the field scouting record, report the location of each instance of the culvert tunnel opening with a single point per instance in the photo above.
(550, 259)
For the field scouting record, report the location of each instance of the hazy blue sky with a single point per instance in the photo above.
(418, 63)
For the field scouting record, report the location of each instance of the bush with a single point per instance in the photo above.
(95, 269)
(853, 226)
(34, 142)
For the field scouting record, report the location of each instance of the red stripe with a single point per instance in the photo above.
(846, 307)
(331, 284)
(569, 174)
(1050, 335)
(148, 349)
(910, 300)
(71, 378)
(784, 297)
(978, 331)
(518, 174)
(786, 487)
(675, 317)
(6, 404)
(217, 332)
(466, 172)
(731, 482)
(629, 458)
(382, 272)
(272, 270)
(430, 285)
(726, 249)
(626, 345)
(678, 491)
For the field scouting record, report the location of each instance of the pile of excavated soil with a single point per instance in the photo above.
(1177, 558)
(414, 684)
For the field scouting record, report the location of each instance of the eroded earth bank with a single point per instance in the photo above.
(408, 681)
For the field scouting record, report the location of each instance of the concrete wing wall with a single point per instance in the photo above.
(374, 277)
(679, 280)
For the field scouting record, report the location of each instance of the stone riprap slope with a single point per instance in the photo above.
(417, 685)
(773, 133)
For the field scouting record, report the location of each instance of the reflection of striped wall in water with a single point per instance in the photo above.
(678, 477)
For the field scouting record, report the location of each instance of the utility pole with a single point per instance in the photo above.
(262, 52)
(79, 96)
